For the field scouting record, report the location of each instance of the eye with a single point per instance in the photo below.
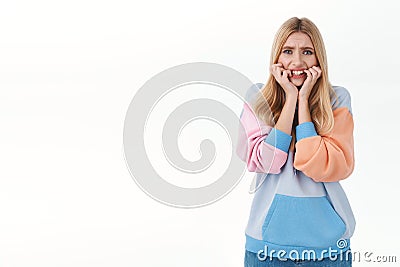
(287, 51)
(307, 52)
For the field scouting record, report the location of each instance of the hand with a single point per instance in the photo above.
(282, 77)
(313, 75)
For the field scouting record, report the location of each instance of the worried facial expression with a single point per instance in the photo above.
(297, 55)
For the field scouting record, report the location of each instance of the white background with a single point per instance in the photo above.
(68, 71)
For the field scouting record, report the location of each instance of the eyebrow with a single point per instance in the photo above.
(303, 48)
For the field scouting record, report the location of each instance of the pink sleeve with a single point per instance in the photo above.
(252, 148)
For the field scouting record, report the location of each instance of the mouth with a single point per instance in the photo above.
(298, 74)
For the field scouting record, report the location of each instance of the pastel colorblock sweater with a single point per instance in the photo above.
(299, 207)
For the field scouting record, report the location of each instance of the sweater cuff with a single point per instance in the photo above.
(304, 130)
(279, 139)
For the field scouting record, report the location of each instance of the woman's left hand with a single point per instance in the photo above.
(313, 74)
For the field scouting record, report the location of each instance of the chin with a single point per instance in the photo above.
(298, 83)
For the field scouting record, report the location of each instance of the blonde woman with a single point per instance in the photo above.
(298, 138)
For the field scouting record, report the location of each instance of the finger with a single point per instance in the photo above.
(287, 73)
(281, 71)
(309, 75)
(314, 73)
(275, 71)
(283, 74)
(277, 65)
(318, 70)
(274, 67)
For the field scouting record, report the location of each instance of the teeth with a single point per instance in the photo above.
(297, 72)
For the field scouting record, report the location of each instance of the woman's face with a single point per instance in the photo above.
(297, 55)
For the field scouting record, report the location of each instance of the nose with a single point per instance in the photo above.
(297, 59)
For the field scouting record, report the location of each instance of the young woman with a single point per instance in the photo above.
(298, 138)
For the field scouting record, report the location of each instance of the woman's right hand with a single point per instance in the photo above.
(282, 77)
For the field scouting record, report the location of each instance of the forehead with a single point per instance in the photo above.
(298, 39)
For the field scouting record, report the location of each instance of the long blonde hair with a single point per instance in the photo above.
(269, 104)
